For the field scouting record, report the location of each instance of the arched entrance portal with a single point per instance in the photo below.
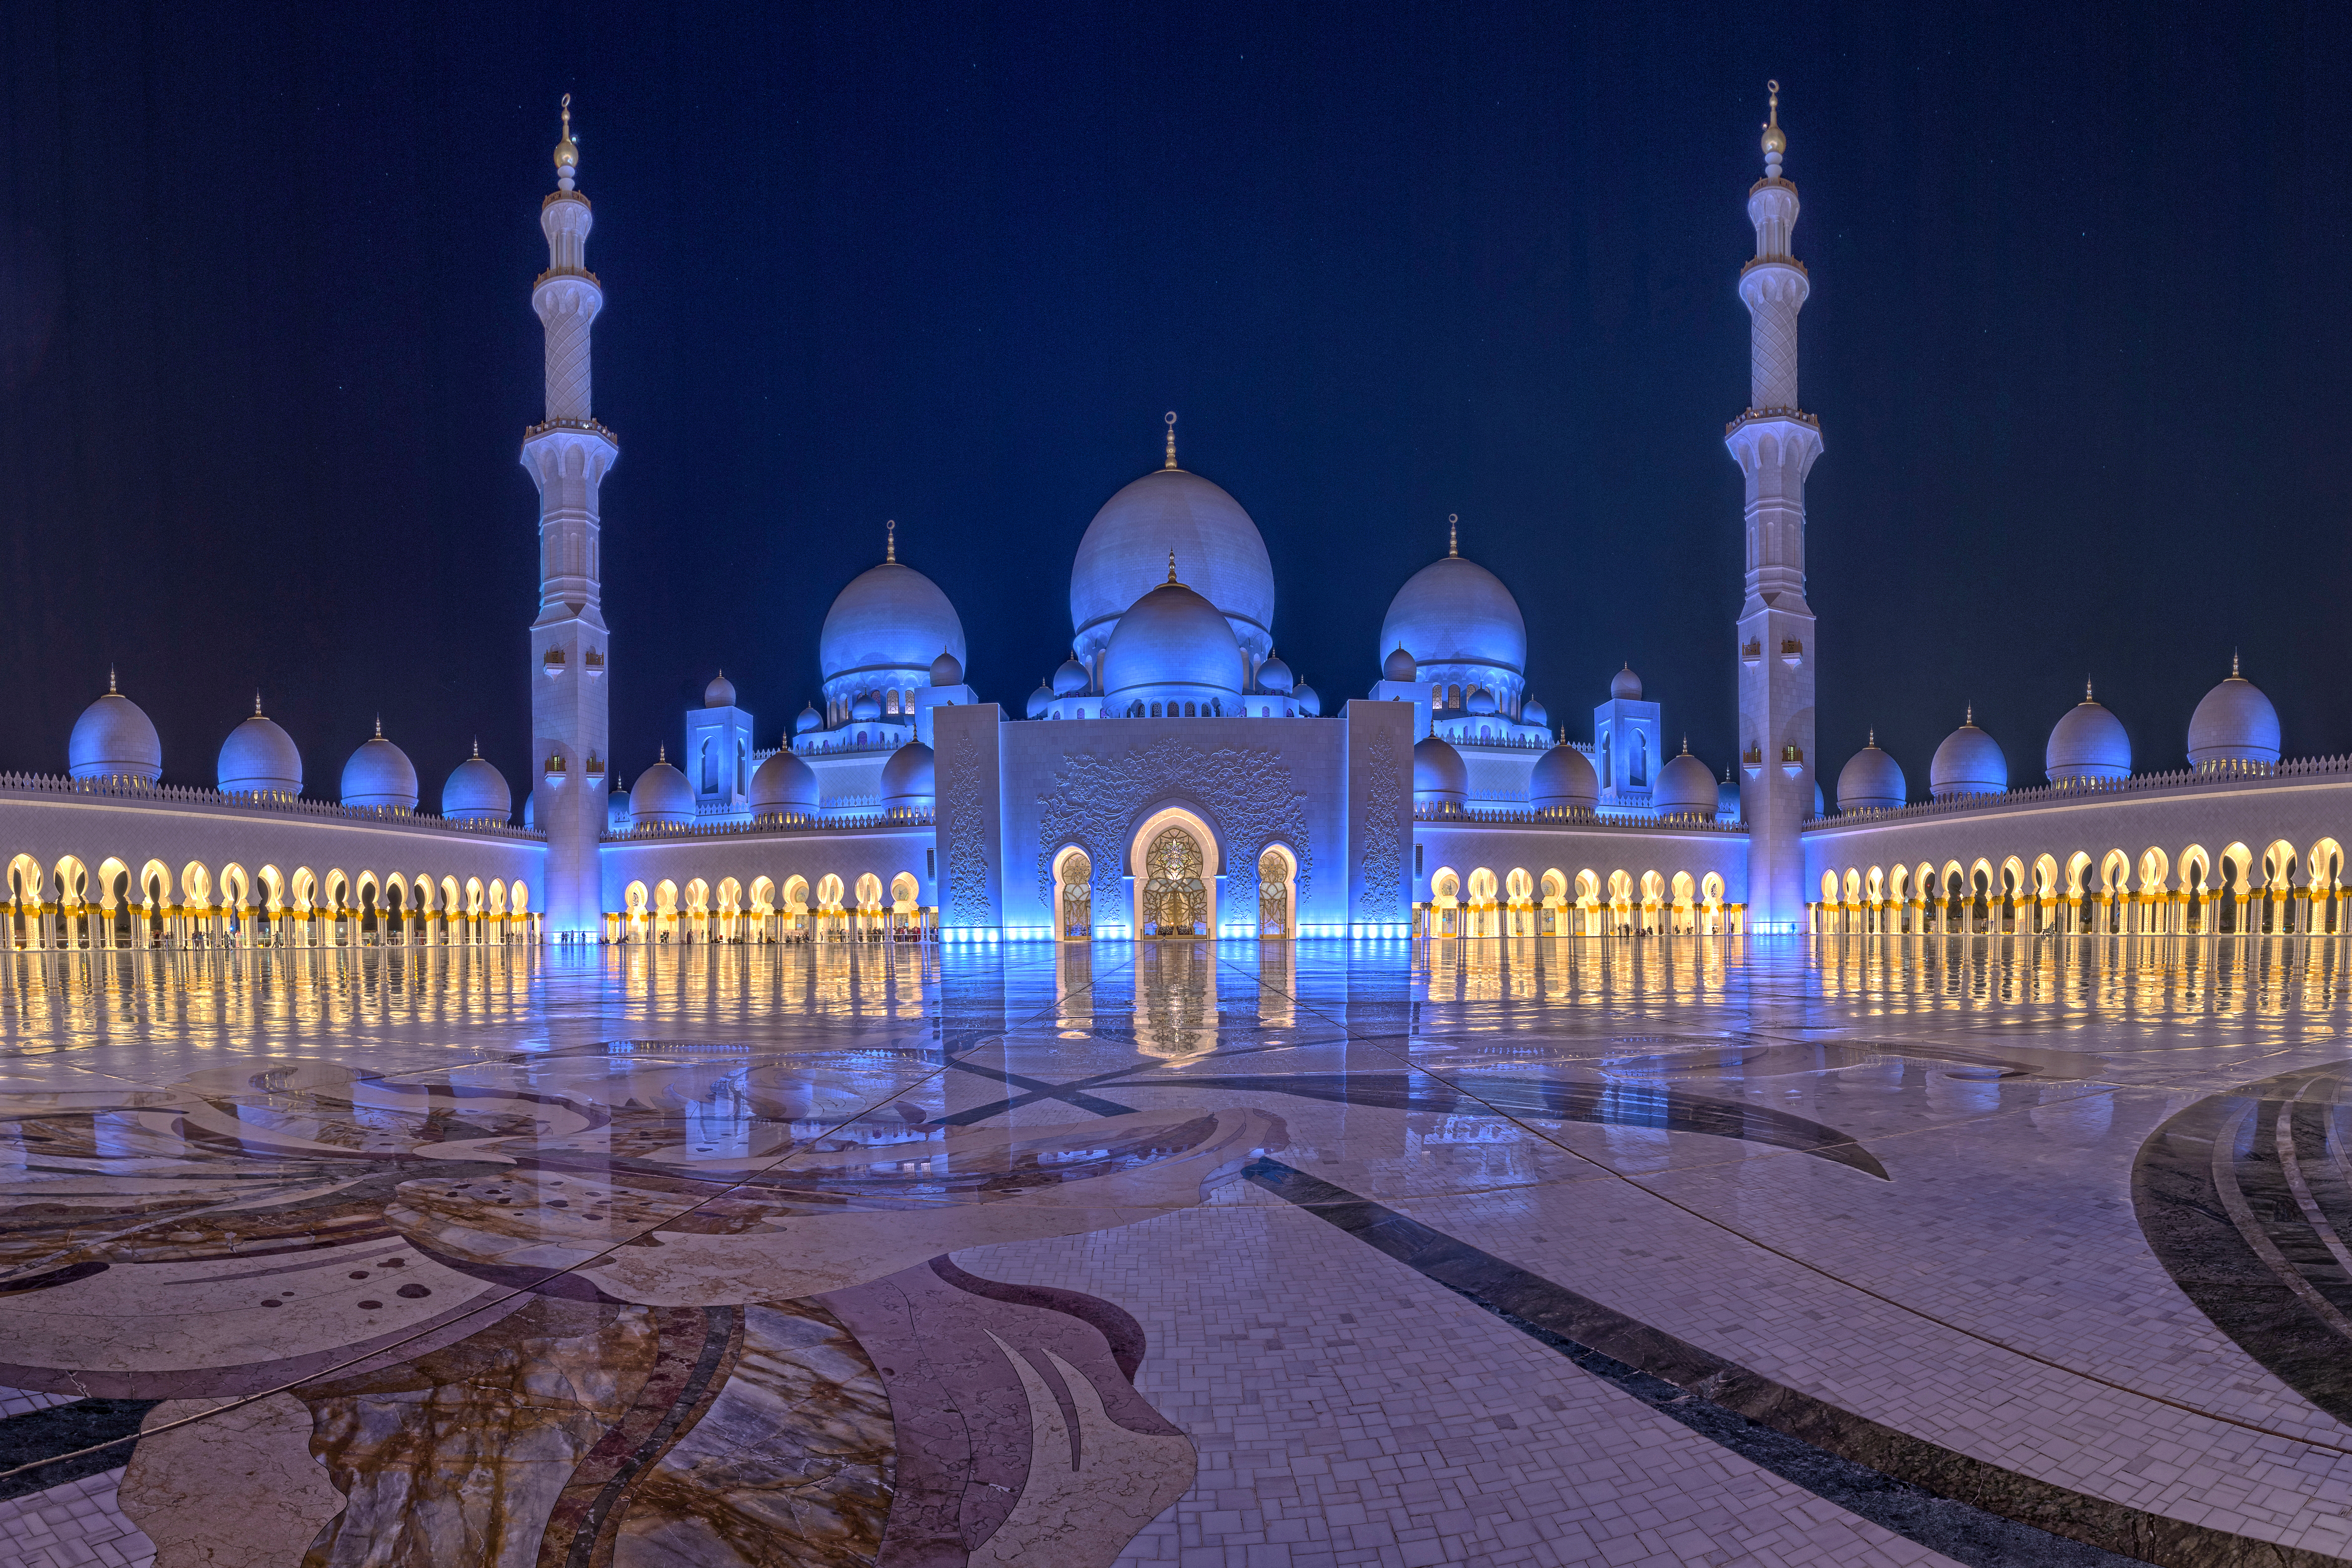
(1273, 894)
(1074, 896)
(1175, 888)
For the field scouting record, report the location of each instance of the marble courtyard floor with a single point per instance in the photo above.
(1847, 1250)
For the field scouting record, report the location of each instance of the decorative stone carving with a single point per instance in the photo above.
(1246, 793)
(1381, 850)
(964, 835)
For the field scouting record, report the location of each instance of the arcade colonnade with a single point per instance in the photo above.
(760, 909)
(1621, 903)
(2277, 888)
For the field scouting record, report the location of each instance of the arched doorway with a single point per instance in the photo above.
(1274, 905)
(1074, 896)
(1174, 893)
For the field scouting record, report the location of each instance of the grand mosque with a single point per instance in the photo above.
(1173, 776)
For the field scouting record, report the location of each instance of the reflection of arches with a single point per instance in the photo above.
(1174, 861)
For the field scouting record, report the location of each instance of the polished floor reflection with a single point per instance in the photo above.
(1837, 1250)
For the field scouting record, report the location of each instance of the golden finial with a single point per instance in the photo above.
(379, 726)
(1171, 448)
(257, 702)
(1873, 738)
(1453, 533)
(1971, 715)
(1776, 142)
(2234, 671)
(567, 152)
(2087, 689)
(477, 746)
(890, 539)
(1172, 565)
(109, 674)
(664, 751)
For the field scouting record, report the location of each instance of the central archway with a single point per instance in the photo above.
(1174, 861)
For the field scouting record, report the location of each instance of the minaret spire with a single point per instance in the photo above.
(1453, 533)
(1775, 442)
(890, 539)
(1171, 439)
(568, 453)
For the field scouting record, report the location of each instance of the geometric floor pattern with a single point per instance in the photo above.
(1771, 1250)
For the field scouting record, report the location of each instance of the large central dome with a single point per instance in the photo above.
(890, 618)
(1455, 611)
(1218, 550)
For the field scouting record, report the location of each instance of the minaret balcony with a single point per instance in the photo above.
(1793, 761)
(553, 662)
(1792, 652)
(1751, 762)
(554, 773)
(1760, 416)
(1751, 653)
(592, 662)
(585, 426)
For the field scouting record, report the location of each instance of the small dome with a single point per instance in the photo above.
(1534, 712)
(1040, 701)
(1275, 676)
(530, 810)
(380, 777)
(260, 758)
(1563, 778)
(617, 815)
(1173, 637)
(947, 669)
(865, 708)
(1309, 700)
(1625, 686)
(1870, 781)
(2087, 742)
(2234, 723)
(663, 798)
(783, 782)
(1684, 788)
(476, 791)
(891, 617)
(1070, 679)
(1968, 762)
(810, 719)
(1399, 666)
(1440, 776)
(719, 693)
(1125, 552)
(114, 739)
(1455, 611)
(1480, 703)
(908, 779)
(1727, 801)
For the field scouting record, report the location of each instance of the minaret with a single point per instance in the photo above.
(1775, 443)
(567, 454)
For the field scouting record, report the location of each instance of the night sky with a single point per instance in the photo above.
(2078, 339)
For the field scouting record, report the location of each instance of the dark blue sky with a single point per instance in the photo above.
(2077, 341)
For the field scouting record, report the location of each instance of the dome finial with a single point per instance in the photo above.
(1873, 737)
(257, 702)
(110, 673)
(2233, 669)
(567, 151)
(2087, 689)
(664, 751)
(1776, 141)
(1453, 533)
(889, 546)
(379, 726)
(1969, 714)
(1171, 446)
(1171, 566)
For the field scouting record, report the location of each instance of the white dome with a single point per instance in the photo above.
(1275, 676)
(1455, 611)
(1070, 679)
(1125, 554)
(2087, 742)
(1625, 686)
(1727, 807)
(719, 693)
(866, 708)
(114, 739)
(1398, 667)
(530, 810)
(380, 777)
(261, 758)
(1440, 776)
(663, 798)
(1968, 762)
(908, 778)
(1684, 788)
(476, 791)
(1870, 781)
(617, 818)
(890, 618)
(783, 782)
(1534, 712)
(1563, 777)
(1040, 701)
(1480, 703)
(2234, 723)
(946, 670)
(1309, 700)
(810, 719)
(1173, 639)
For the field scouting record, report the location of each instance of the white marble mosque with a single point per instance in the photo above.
(1175, 775)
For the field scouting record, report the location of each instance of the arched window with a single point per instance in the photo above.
(1436, 695)
(890, 701)
(709, 769)
(742, 765)
(1155, 710)
(1454, 696)
(1190, 712)
(1641, 759)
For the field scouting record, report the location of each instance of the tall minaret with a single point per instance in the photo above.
(567, 454)
(1775, 443)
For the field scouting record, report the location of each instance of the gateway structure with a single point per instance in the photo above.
(1174, 776)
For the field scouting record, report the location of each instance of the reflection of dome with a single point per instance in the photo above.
(260, 758)
(1309, 700)
(1275, 676)
(947, 669)
(890, 617)
(380, 777)
(114, 739)
(810, 719)
(2234, 723)
(1172, 638)
(1870, 781)
(906, 778)
(1070, 679)
(866, 708)
(1684, 788)
(783, 782)
(1534, 712)
(1625, 686)
(1040, 701)
(1455, 611)
(1440, 777)
(2087, 742)
(1125, 552)
(663, 798)
(476, 791)
(1399, 666)
(719, 693)
(1968, 762)
(1563, 778)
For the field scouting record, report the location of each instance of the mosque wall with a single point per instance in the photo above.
(1380, 814)
(968, 763)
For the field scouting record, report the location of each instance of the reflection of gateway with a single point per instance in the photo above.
(1175, 899)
